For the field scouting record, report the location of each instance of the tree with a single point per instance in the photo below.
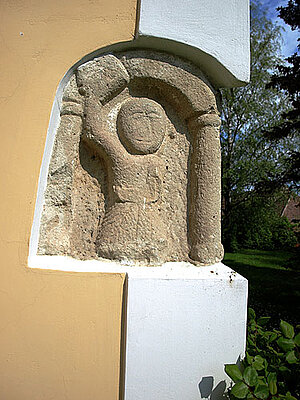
(287, 79)
(247, 157)
(257, 224)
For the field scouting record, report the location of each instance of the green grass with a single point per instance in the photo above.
(260, 258)
(273, 289)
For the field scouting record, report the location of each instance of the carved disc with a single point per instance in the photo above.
(142, 125)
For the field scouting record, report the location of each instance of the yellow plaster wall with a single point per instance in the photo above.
(59, 332)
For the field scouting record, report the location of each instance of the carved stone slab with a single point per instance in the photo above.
(135, 168)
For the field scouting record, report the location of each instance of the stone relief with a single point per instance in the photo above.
(135, 169)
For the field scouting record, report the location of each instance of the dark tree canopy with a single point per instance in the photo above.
(287, 79)
(291, 14)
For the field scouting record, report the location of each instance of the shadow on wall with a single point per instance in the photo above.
(207, 390)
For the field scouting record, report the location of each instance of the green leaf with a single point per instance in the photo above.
(262, 321)
(287, 329)
(288, 396)
(233, 371)
(249, 358)
(273, 336)
(272, 379)
(285, 344)
(250, 376)
(252, 327)
(261, 391)
(273, 387)
(251, 314)
(240, 390)
(291, 357)
(297, 339)
(261, 380)
(259, 363)
(259, 359)
(284, 370)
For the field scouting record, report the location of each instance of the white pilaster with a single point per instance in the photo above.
(183, 324)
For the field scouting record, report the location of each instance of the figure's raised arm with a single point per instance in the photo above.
(97, 136)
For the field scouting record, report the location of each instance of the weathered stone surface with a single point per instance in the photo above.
(135, 170)
(205, 189)
(104, 77)
(183, 85)
(141, 124)
(71, 93)
(55, 234)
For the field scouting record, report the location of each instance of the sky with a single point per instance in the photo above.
(289, 37)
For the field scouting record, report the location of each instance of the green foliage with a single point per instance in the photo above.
(288, 76)
(246, 155)
(287, 80)
(250, 162)
(271, 367)
(256, 224)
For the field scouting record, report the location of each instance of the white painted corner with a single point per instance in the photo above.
(218, 32)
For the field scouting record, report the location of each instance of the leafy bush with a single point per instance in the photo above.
(271, 367)
(283, 234)
(256, 224)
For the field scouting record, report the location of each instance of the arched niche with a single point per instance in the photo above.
(103, 200)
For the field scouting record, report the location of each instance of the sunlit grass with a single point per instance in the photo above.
(260, 258)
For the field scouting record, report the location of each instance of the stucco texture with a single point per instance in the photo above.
(59, 332)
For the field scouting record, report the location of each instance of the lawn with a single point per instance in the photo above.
(273, 289)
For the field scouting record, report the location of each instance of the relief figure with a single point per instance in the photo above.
(153, 193)
(132, 226)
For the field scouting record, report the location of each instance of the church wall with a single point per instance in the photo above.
(60, 332)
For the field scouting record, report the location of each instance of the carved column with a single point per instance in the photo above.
(205, 190)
